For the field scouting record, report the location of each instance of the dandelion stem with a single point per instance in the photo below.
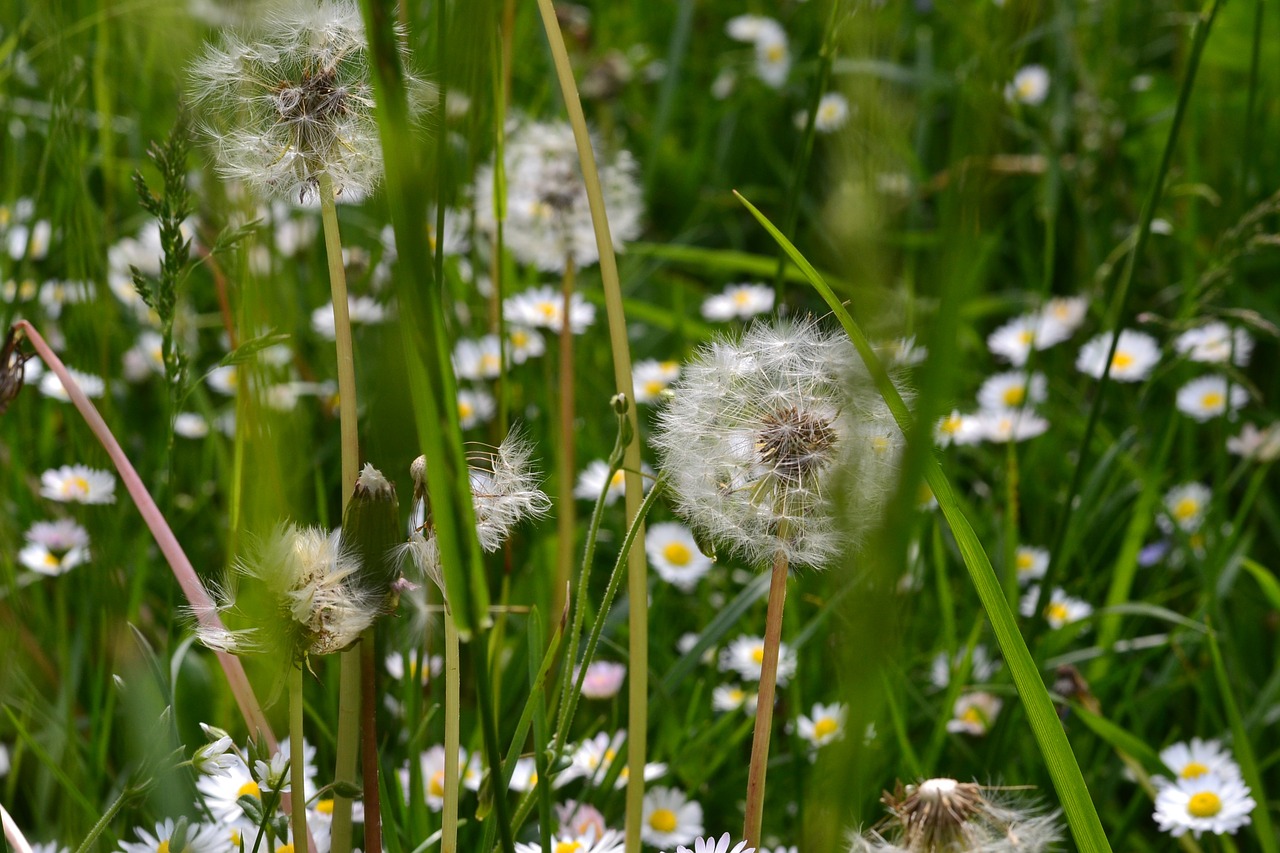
(452, 735)
(297, 757)
(566, 516)
(349, 679)
(369, 741)
(764, 705)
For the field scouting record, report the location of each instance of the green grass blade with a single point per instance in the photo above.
(1073, 793)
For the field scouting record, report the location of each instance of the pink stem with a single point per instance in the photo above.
(197, 597)
(12, 834)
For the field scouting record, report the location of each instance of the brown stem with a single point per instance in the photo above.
(764, 703)
(567, 517)
(369, 743)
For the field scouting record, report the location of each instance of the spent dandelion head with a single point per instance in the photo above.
(761, 433)
(291, 100)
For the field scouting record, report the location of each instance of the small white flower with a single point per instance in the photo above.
(603, 679)
(1215, 342)
(398, 666)
(752, 28)
(1031, 562)
(1030, 85)
(224, 379)
(543, 308)
(474, 407)
(974, 713)
(78, 484)
(1205, 803)
(591, 482)
(958, 429)
(56, 294)
(669, 817)
(675, 556)
(1208, 397)
(361, 310)
(981, 666)
(478, 359)
(55, 547)
(1012, 390)
(593, 760)
(824, 725)
(731, 697)
(1191, 760)
(773, 58)
(432, 766)
(1261, 445)
(1186, 504)
(92, 386)
(1059, 611)
(190, 425)
(145, 358)
(833, 112)
(1015, 339)
(199, 838)
(607, 841)
(1005, 425)
(721, 845)
(1136, 354)
(524, 344)
(739, 301)
(745, 656)
(651, 377)
(1064, 314)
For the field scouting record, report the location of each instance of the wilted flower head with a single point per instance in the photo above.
(758, 433)
(548, 218)
(944, 815)
(309, 601)
(504, 491)
(296, 101)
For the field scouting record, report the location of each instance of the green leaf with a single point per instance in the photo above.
(1045, 725)
(1120, 738)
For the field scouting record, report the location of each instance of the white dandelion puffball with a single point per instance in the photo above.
(762, 433)
(295, 100)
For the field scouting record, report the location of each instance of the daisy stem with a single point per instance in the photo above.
(452, 735)
(349, 678)
(566, 517)
(764, 705)
(297, 757)
(1011, 524)
(638, 565)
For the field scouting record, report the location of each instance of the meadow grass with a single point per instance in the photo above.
(954, 197)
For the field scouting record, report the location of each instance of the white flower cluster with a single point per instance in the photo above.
(1207, 793)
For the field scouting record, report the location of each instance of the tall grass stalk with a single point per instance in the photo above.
(764, 706)
(452, 734)
(1063, 768)
(197, 597)
(566, 515)
(638, 585)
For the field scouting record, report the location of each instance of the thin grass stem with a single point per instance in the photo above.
(452, 735)
(764, 705)
(297, 756)
(566, 515)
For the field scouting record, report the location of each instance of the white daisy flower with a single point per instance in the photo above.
(731, 697)
(745, 656)
(1205, 803)
(824, 725)
(1186, 504)
(478, 359)
(1060, 610)
(669, 817)
(55, 547)
(651, 377)
(1012, 390)
(675, 556)
(193, 838)
(610, 841)
(78, 484)
(739, 302)
(543, 308)
(56, 294)
(361, 310)
(901, 352)
(432, 766)
(1015, 339)
(524, 344)
(603, 679)
(1215, 342)
(720, 845)
(190, 425)
(145, 358)
(1030, 85)
(1005, 425)
(580, 819)
(958, 429)
(752, 28)
(591, 482)
(1064, 314)
(974, 713)
(400, 666)
(1136, 354)
(593, 760)
(773, 58)
(474, 407)
(92, 386)
(981, 666)
(1261, 445)
(1208, 397)
(1031, 562)
(833, 112)
(1196, 758)
(224, 379)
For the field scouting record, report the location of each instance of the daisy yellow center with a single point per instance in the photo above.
(741, 298)
(533, 780)
(465, 410)
(1212, 400)
(654, 387)
(249, 789)
(609, 755)
(1121, 361)
(951, 424)
(1026, 89)
(163, 846)
(663, 820)
(677, 553)
(825, 727)
(974, 716)
(436, 785)
(489, 361)
(668, 365)
(1024, 561)
(1186, 508)
(1193, 770)
(616, 481)
(1056, 611)
(547, 309)
(567, 846)
(325, 806)
(1014, 395)
(52, 561)
(775, 53)
(520, 339)
(827, 112)
(78, 485)
(235, 838)
(757, 654)
(737, 695)
(1025, 337)
(1204, 804)
(285, 848)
